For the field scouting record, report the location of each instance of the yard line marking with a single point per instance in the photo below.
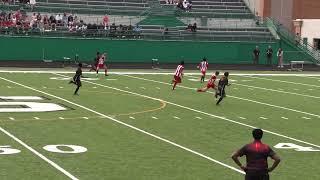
(176, 117)
(44, 87)
(201, 112)
(288, 82)
(158, 88)
(36, 118)
(61, 87)
(242, 117)
(85, 117)
(11, 118)
(61, 117)
(263, 118)
(198, 117)
(9, 87)
(165, 73)
(39, 154)
(132, 117)
(122, 123)
(306, 118)
(235, 97)
(154, 117)
(285, 118)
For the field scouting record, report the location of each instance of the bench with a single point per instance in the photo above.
(296, 65)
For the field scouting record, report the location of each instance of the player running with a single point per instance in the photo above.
(178, 75)
(102, 64)
(223, 82)
(203, 66)
(95, 62)
(211, 83)
(77, 78)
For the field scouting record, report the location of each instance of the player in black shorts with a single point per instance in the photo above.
(257, 155)
(223, 82)
(77, 79)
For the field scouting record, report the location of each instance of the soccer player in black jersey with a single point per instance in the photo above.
(77, 79)
(223, 82)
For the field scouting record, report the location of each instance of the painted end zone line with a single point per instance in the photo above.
(201, 112)
(38, 154)
(127, 125)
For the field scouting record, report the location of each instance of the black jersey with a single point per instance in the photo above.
(223, 82)
(78, 74)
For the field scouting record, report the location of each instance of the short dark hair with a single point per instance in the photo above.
(217, 73)
(257, 134)
(80, 64)
(182, 62)
(204, 59)
(226, 74)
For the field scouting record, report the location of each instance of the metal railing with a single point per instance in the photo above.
(297, 40)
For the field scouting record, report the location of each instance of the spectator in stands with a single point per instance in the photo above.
(189, 28)
(52, 22)
(38, 20)
(194, 27)
(59, 19)
(180, 4)
(106, 22)
(46, 22)
(130, 29)
(280, 58)
(70, 20)
(137, 31)
(269, 55)
(65, 19)
(256, 54)
(185, 5)
(189, 5)
(32, 4)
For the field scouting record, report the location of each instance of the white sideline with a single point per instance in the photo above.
(155, 73)
(201, 112)
(39, 154)
(122, 123)
(288, 82)
(239, 98)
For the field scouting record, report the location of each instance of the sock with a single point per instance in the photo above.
(174, 85)
(76, 91)
(220, 99)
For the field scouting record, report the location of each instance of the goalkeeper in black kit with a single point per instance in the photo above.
(77, 79)
(223, 82)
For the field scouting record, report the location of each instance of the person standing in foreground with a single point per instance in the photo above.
(223, 82)
(269, 56)
(77, 79)
(178, 75)
(203, 66)
(257, 155)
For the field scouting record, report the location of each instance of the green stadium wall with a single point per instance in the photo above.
(131, 51)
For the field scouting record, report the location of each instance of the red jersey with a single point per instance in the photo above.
(179, 71)
(102, 59)
(212, 79)
(203, 66)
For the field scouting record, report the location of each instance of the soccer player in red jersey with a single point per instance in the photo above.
(178, 75)
(203, 66)
(95, 62)
(102, 64)
(211, 83)
(257, 155)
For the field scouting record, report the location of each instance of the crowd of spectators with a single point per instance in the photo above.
(192, 28)
(185, 5)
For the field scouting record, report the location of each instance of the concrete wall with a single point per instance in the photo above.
(310, 29)
(282, 11)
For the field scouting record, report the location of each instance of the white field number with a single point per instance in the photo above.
(5, 150)
(73, 149)
(295, 147)
(19, 104)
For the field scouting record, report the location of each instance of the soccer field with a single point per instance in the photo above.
(133, 126)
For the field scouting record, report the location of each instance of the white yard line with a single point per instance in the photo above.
(11, 118)
(125, 124)
(132, 117)
(288, 82)
(235, 97)
(201, 112)
(36, 118)
(198, 117)
(154, 117)
(162, 73)
(285, 118)
(39, 154)
(242, 117)
(306, 118)
(263, 118)
(176, 117)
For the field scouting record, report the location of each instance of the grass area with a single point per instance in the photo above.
(135, 127)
